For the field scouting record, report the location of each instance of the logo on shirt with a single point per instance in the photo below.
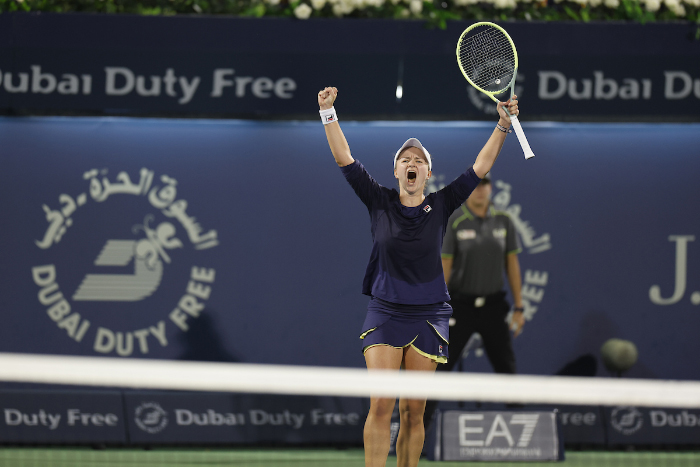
(427, 208)
(466, 234)
(499, 233)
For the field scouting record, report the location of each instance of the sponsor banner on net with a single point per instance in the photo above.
(498, 436)
(580, 424)
(226, 418)
(43, 416)
(640, 425)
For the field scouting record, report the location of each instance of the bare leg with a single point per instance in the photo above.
(409, 444)
(378, 425)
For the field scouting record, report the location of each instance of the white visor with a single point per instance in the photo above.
(414, 143)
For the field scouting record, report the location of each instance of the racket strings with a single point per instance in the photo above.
(488, 59)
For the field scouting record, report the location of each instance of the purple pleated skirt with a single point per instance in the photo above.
(423, 327)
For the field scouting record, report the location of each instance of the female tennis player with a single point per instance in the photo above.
(407, 321)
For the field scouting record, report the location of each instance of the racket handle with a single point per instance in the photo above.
(521, 137)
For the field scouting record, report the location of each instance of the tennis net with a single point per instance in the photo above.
(60, 410)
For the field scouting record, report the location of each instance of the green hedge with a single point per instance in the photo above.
(436, 12)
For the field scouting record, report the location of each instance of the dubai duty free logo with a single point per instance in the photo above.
(150, 417)
(626, 420)
(534, 280)
(164, 227)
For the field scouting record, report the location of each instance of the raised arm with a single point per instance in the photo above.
(489, 153)
(336, 138)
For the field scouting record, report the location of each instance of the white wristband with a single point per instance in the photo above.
(328, 116)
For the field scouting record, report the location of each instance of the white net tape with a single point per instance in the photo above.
(299, 380)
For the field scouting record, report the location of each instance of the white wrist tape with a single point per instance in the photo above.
(328, 116)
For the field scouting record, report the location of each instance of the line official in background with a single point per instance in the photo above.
(481, 246)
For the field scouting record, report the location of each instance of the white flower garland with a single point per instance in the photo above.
(342, 8)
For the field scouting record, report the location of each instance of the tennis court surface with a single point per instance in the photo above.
(65, 457)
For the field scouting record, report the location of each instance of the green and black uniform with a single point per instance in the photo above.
(478, 248)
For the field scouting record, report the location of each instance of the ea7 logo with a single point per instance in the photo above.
(472, 427)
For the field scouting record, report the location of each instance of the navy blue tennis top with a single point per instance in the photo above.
(405, 266)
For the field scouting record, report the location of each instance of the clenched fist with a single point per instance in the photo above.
(511, 105)
(326, 97)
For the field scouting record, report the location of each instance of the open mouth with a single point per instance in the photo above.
(411, 176)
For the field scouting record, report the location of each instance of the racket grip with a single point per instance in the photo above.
(521, 137)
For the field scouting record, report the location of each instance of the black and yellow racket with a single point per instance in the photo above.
(487, 57)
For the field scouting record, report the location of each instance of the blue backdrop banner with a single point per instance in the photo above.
(272, 68)
(240, 241)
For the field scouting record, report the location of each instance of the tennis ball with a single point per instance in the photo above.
(618, 354)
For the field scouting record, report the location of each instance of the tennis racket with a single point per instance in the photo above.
(487, 57)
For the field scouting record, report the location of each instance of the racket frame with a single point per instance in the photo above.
(492, 94)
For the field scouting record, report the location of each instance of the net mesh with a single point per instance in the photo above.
(73, 411)
(487, 57)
